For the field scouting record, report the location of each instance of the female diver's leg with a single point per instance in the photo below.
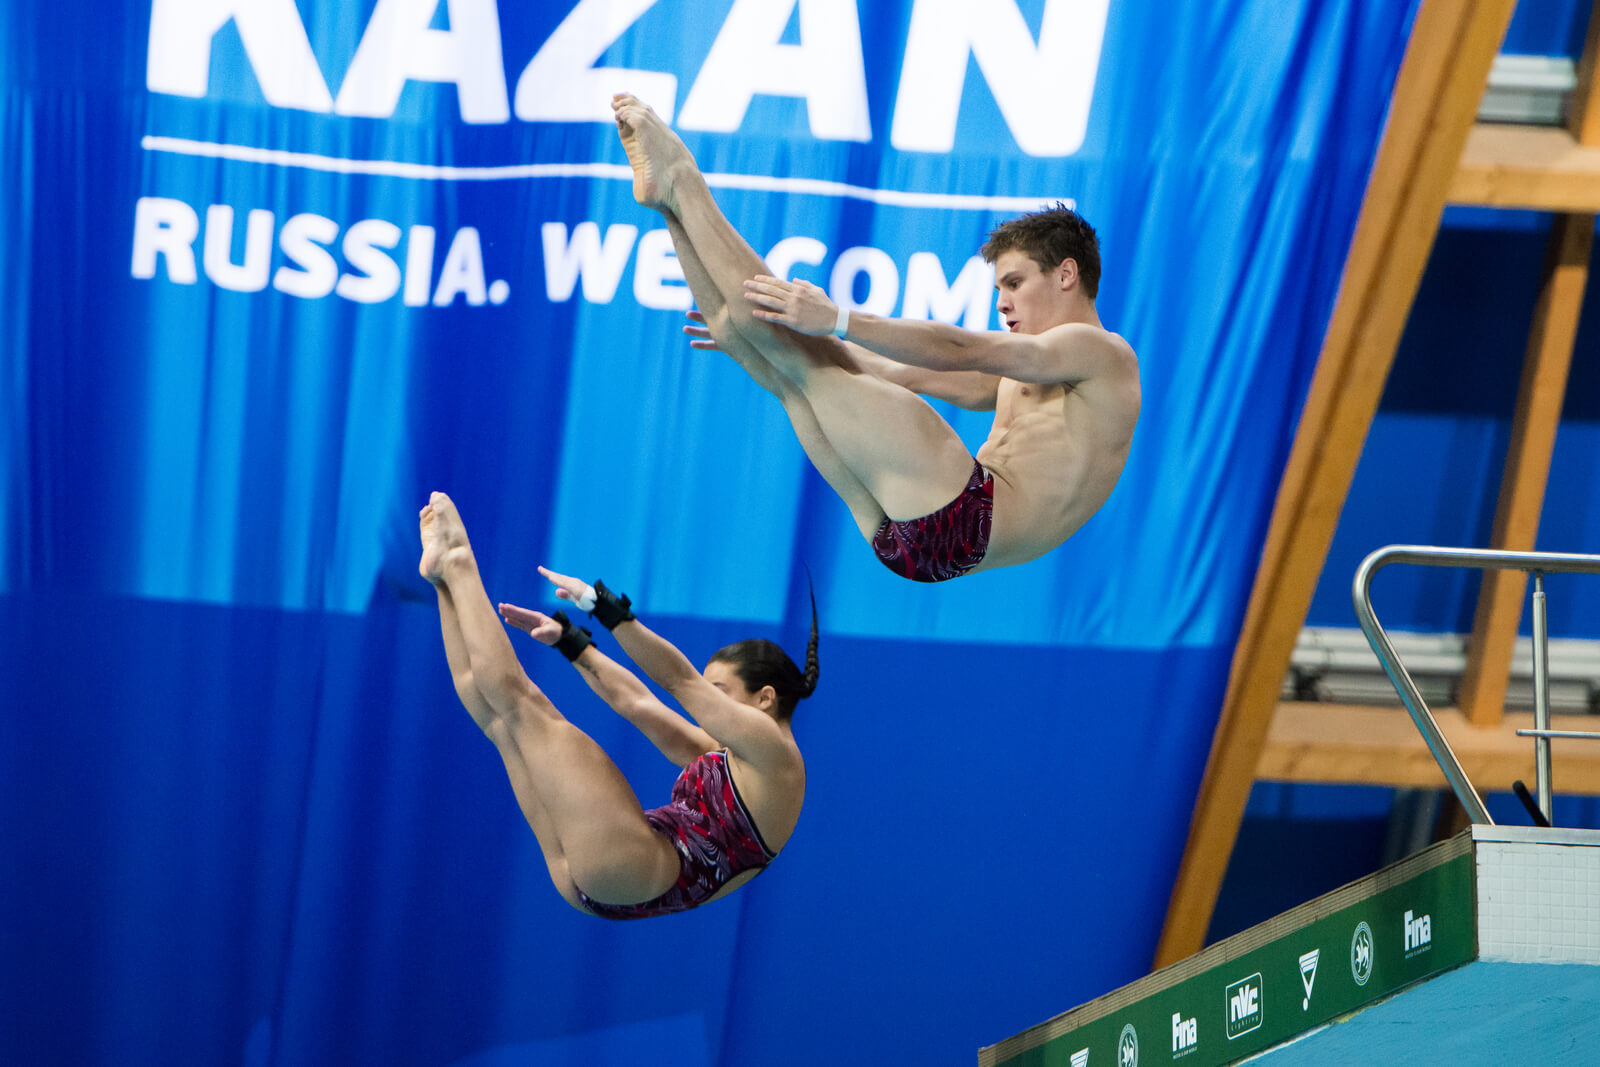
(583, 811)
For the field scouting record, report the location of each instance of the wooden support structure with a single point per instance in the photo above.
(1583, 118)
(1543, 168)
(1312, 742)
(1556, 169)
(1436, 96)
(1533, 440)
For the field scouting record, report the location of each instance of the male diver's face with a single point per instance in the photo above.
(1027, 298)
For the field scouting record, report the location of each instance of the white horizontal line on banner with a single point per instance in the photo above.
(615, 171)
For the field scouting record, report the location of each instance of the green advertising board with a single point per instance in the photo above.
(1305, 968)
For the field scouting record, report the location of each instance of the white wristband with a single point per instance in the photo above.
(841, 325)
(586, 600)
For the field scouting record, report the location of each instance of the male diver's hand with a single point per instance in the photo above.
(576, 590)
(700, 334)
(536, 624)
(799, 305)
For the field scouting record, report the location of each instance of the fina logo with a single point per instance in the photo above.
(1185, 1034)
(1419, 934)
(1245, 1008)
(1080, 1058)
(1128, 1047)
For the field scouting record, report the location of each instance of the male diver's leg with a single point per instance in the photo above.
(864, 507)
(890, 440)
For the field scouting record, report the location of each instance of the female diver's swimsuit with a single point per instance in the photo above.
(716, 839)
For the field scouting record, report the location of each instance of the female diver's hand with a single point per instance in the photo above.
(576, 590)
(536, 624)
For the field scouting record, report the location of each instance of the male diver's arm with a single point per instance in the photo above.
(970, 389)
(1071, 352)
(973, 390)
(680, 740)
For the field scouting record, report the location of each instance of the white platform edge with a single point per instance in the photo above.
(1538, 894)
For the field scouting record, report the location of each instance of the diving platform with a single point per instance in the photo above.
(1483, 948)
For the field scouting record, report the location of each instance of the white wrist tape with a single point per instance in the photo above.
(585, 601)
(841, 325)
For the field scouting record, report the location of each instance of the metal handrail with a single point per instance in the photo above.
(1536, 563)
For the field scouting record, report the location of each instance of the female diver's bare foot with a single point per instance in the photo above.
(654, 152)
(442, 531)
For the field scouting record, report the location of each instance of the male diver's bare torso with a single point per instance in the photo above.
(1056, 451)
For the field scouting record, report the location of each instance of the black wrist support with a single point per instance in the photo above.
(573, 639)
(609, 608)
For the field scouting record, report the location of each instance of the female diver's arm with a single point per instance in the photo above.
(680, 740)
(750, 733)
(742, 729)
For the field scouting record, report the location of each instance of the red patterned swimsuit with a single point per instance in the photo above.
(716, 839)
(946, 544)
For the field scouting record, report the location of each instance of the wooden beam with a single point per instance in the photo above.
(1583, 117)
(1348, 744)
(1527, 468)
(1540, 167)
(1436, 96)
(1543, 168)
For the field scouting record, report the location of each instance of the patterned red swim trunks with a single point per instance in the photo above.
(946, 544)
(713, 832)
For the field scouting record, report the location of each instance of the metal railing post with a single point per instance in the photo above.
(1541, 697)
(1536, 563)
(1409, 695)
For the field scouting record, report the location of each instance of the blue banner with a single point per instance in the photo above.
(280, 267)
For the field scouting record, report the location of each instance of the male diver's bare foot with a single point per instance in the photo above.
(442, 530)
(655, 153)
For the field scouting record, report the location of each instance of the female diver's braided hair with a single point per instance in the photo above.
(759, 662)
